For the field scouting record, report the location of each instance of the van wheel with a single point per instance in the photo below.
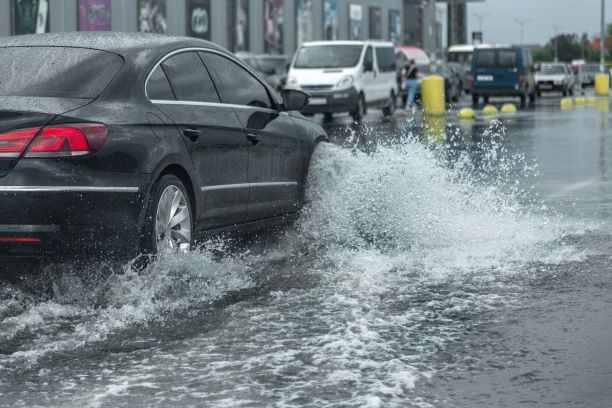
(391, 106)
(359, 111)
(475, 99)
(532, 98)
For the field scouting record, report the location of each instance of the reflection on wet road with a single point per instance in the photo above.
(455, 264)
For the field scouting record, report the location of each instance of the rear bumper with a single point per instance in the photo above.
(498, 91)
(70, 221)
(548, 87)
(332, 101)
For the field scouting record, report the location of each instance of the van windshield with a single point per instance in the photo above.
(328, 56)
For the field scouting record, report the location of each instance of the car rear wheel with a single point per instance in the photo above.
(168, 224)
(391, 105)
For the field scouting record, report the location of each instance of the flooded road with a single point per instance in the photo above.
(470, 270)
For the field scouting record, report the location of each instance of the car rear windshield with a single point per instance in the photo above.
(328, 56)
(496, 59)
(553, 69)
(61, 72)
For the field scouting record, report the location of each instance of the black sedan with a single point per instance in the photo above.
(120, 144)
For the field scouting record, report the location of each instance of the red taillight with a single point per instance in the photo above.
(75, 139)
(23, 240)
(12, 144)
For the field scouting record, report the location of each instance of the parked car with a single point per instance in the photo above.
(345, 76)
(116, 143)
(502, 71)
(555, 77)
(273, 68)
(588, 74)
(452, 81)
(463, 73)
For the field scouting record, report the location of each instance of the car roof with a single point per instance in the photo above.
(117, 42)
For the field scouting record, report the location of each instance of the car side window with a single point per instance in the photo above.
(237, 85)
(189, 78)
(386, 59)
(158, 86)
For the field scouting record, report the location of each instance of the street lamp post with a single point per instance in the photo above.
(522, 24)
(556, 40)
(602, 58)
(480, 17)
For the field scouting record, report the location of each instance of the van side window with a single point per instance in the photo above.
(368, 59)
(386, 59)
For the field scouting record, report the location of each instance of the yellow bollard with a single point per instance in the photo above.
(602, 104)
(579, 101)
(508, 108)
(591, 100)
(434, 128)
(489, 110)
(467, 114)
(567, 103)
(432, 91)
(602, 84)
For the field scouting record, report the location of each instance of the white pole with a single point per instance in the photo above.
(602, 58)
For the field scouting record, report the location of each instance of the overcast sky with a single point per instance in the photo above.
(499, 24)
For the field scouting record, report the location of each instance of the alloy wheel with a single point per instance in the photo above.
(173, 221)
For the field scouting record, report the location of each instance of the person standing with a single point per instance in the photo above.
(410, 83)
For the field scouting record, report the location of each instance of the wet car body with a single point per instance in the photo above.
(243, 166)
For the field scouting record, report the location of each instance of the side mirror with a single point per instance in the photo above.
(368, 67)
(294, 99)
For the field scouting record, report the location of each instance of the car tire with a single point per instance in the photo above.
(359, 111)
(168, 187)
(391, 106)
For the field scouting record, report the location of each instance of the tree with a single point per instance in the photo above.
(567, 45)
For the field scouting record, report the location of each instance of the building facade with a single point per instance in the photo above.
(456, 23)
(258, 26)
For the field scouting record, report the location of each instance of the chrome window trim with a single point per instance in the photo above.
(67, 189)
(212, 104)
(230, 57)
(249, 185)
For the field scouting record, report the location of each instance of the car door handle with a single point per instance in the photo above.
(254, 138)
(192, 134)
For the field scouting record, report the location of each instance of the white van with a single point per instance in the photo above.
(345, 76)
